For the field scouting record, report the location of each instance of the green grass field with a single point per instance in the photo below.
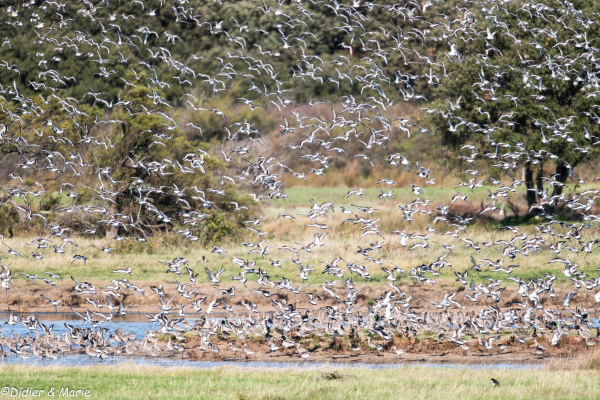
(300, 196)
(145, 257)
(128, 381)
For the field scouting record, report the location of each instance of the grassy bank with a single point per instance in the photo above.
(135, 382)
(340, 242)
(147, 270)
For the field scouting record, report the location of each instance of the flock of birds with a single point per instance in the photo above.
(359, 121)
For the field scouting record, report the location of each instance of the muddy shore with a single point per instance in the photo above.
(24, 297)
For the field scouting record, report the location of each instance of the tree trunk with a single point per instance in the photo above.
(530, 195)
(10, 230)
(114, 230)
(539, 183)
(562, 173)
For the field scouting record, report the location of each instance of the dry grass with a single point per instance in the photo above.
(588, 361)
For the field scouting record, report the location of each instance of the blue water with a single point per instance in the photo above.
(138, 325)
(137, 328)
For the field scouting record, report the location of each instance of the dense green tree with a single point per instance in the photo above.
(524, 78)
